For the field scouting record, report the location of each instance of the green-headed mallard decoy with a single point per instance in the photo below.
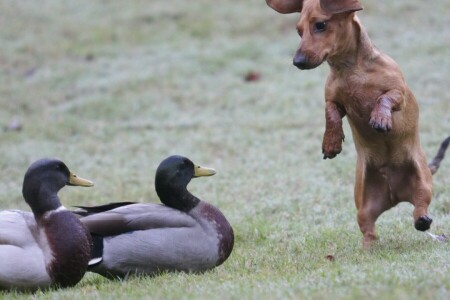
(50, 246)
(184, 234)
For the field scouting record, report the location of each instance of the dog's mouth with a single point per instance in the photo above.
(305, 67)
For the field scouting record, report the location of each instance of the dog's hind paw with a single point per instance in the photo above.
(423, 223)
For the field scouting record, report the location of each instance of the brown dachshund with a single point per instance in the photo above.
(368, 87)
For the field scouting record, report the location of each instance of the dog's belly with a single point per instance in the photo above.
(400, 180)
(379, 149)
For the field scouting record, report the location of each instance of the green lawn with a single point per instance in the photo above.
(114, 87)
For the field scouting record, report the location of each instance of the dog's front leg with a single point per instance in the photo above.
(381, 118)
(334, 134)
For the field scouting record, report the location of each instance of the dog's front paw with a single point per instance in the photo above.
(380, 119)
(332, 145)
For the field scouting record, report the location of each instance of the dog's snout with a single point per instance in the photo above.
(300, 61)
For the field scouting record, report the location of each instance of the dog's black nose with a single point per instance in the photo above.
(300, 61)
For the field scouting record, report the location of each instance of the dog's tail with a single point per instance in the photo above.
(436, 162)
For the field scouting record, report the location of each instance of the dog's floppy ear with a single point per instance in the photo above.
(340, 6)
(286, 6)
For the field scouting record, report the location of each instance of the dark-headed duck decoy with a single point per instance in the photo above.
(183, 234)
(50, 246)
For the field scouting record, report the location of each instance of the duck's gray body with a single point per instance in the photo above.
(38, 255)
(151, 238)
(22, 251)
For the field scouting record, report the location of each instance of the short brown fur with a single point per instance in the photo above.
(368, 87)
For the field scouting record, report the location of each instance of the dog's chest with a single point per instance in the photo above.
(356, 93)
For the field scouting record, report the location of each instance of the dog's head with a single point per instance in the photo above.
(324, 27)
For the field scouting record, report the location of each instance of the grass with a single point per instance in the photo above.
(112, 88)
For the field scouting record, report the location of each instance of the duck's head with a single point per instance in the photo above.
(172, 177)
(42, 181)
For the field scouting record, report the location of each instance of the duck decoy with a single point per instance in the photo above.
(48, 246)
(182, 234)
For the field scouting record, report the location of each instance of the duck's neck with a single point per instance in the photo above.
(42, 201)
(179, 198)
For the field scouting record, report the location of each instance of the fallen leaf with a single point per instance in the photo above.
(330, 257)
(252, 76)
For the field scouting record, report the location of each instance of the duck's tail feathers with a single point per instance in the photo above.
(436, 162)
(90, 210)
(96, 251)
(94, 261)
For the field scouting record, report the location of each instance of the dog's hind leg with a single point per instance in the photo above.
(412, 182)
(372, 199)
(421, 197)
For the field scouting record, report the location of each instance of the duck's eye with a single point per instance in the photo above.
(320, 26)
(59, 167)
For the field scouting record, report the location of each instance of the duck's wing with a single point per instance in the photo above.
(90, 210)
(133, 217)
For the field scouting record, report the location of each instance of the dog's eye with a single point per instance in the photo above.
(320, 26)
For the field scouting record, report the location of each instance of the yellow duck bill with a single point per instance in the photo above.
(78, 181)
(203, 171)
